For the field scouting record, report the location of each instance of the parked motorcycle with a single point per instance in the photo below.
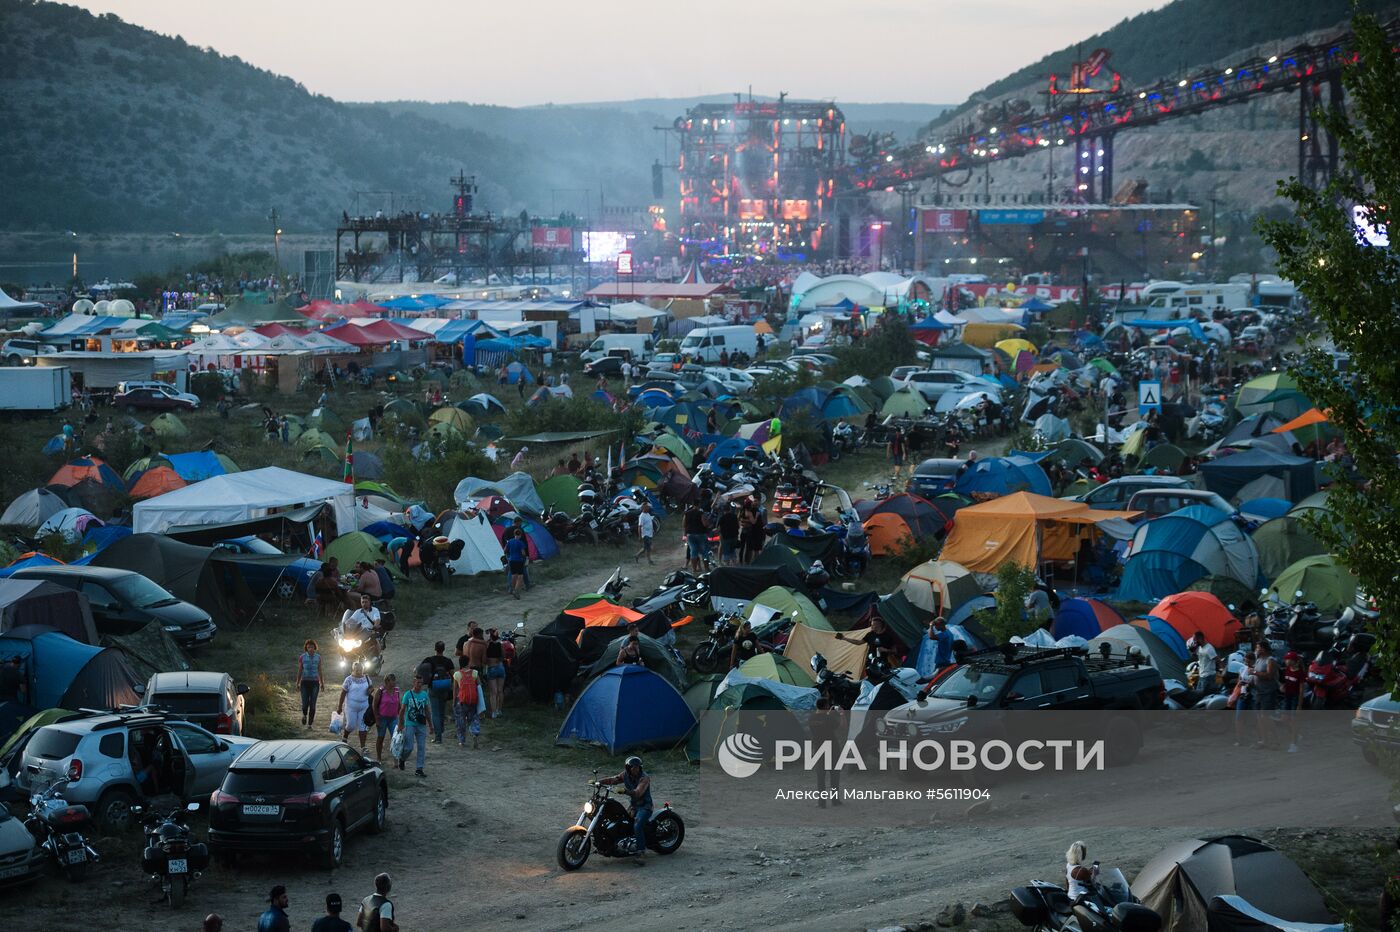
(1336, 677)
(837, 688)
(713, 653)
(1109, 907)
(171, 856)
(606, 826)
(58, 828)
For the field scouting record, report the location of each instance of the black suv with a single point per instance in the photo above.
(124, 602)
(297, 795)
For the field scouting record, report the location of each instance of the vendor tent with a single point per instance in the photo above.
(244, 496)
(38, 602)
(64, 673)
(32, 508)
(1173, 551)
(1181, 882)
(1023, 528)
(628, 708)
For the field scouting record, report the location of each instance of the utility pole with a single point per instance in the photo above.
(1211, 253)
(276, 240)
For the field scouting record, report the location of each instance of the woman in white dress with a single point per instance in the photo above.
(354, 703)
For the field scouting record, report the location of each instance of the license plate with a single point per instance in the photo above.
(77, 856)
(203, 635)
(177, 866)
(262, 810)
(8, 872)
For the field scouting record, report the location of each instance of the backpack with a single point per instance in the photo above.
(467, 688)
(368, 918)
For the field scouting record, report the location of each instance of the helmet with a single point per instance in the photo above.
(634, 761)
(817, 567)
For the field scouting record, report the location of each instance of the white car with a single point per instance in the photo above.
(23, 352)
(734, 380)
(935, 383)
(766, 372)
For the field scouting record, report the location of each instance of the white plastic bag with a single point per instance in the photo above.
(396, 743)
(481, 699)
(337, 723)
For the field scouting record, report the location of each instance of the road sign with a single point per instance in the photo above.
(624, 263)
(1149, 396)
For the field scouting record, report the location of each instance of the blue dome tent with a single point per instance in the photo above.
(1170, 553)
(64, 673)
(1003, 475)
(627, 708)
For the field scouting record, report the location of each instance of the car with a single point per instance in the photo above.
(101, 754)
(284, 582)
(1154, 503)
(124, 602)
(154, 396)
(815, 354)
(735, 381)
(210, 700)
(1114, 494)
(1376, 727)
(23, 352)
(1366, 606)
(806, 363)
(767, 372)
(935, 383)
(664, 362)
(297, 795)
(609, 365)
(931, 477)
(20, 857)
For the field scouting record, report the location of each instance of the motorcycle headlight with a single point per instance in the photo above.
(350, 643)
(588, 808)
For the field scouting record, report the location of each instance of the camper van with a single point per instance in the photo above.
(1277, 294)
(707, 343)
(639, 345)
(1175, 301)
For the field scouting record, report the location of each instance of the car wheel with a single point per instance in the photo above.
(335, 847)
(114, 810)
(381, 807)
(286, 589)
(13, 359)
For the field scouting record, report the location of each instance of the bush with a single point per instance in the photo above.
(1014, 583)
(209, 386)
(574, 414)
(434, 482)
(886, 346)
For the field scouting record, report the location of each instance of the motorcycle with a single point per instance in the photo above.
(713, 652)
(606, 826)
(357, 648)
(1336, 677)
(171, 857)
(1109, 907)
(58, 827)
(837, 688)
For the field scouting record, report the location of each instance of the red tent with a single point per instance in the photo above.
(357, 336)
(392, 331)
(277, 330)
(1189, 612)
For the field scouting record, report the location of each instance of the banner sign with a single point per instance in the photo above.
(945, 221)
(552, 237)
(1010, 216)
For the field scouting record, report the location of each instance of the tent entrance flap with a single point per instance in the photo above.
(294, 521)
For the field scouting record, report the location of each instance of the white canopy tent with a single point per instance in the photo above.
(9, 306)
(631, 310)
(243, 496)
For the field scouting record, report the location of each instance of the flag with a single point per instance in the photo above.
(318, 544)
(349, 474)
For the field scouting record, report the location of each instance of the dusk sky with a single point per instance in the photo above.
(931, 51)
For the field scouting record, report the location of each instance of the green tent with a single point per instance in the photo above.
(778, 668)
(454, 417)
(369, 487)
(559, 492)
(1103, 365)
(1252, 395)
(357, 546)
(674, 445)
(883, 387)
(36, 721)
(867, 395)
(655, 657)
(907, 620)
(405, 412)
(783, 603)
(1079, 487)
(1073, 451)
(228, 464)
(721, 718)
(700, 693)
(169, 427)
(906, 402)
(1321, 579)
(1164, 457)
(143, 464)
(1283, 542)
(315, 437)
(320, 455)
(327, 420)
(444, 431)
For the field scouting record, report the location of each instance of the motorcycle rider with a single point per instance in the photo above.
(362, 622)
(637, 783)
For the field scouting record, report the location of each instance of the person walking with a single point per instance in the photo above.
(274, 918)
(386, 712)
(495, 673)
(466, 708)
(439, 687)
(331, 921)
(414, 711)
(517, 555)
(696, 540)
(729, 535)
(1266, 692)
(354, 703)
(309, 681)
(475, 652)
(377, 910)
(646, 530)
(896, 451)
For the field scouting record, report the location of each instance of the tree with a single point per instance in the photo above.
(1014, 583)
(1353, 290)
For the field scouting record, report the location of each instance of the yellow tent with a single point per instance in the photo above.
(841, 656)
(1015, 346)
(1020, 528)
(987, 335)
(452, 416)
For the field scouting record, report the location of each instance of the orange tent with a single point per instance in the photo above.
(87, 467)
(1189, 612)
(1022, 528)
(1306, 419)
(888, 534)
(603, 612)
(157, 481)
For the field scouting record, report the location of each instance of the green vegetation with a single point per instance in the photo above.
(1354, 291)
(1014, 583)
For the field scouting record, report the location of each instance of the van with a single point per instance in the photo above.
(708, 343)
(638, 344)
(124, 602)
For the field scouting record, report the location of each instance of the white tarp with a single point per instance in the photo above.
(481, 551)
(243, 496)
(632, 310)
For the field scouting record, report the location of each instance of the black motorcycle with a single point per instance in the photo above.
(171, 857)
(605, 826)
(838, 689)
(1109, 907)
(58, 827)
(713, 652)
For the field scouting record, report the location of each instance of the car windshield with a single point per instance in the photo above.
(257, 545)
(141, 592)
(983, 685)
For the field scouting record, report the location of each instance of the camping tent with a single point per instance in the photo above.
(779, 602)
(939, 586)
(846, 657)
(156, 481)
(628, 708)
(1321, 579)
(1003, 475)
(1085, 618)
(924, 517)
(64, 673)
(1181, 882)
(359, 547)
(1295, 477)
(1283, 541)
(777, 668)
(1173, 551)
(72, 523)
(1157, 652)
(32, 508)
(1192, 611)
(888, 535)
(655, 657)
(1023, 528)
(244, 496)
(481, 551)
(37, 602)
(559, 492)
(87, 467)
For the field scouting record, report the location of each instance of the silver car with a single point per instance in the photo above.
(115, 760)
(210, 700)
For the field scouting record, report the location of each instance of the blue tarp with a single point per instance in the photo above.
(1266, 508)
(38, 559)
(100, 536)
(196, 467)
(454, 331)
(1191, 325)
(1003, 475)
(425, 302)
(628, 708)
(930, 323)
